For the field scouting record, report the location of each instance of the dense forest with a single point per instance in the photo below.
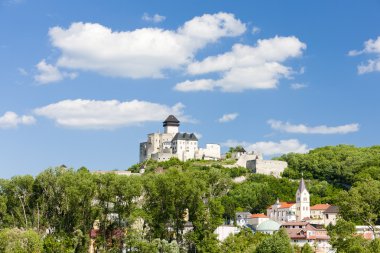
(56, 210)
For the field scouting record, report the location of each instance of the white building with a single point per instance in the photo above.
(282, 211)
(302, 202)
(172, 143)
(289, 211)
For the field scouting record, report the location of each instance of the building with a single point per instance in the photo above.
(301, 233)
(172, 143)
(223, 231)
(367, 232)
(256, 164)
(257, 219)
(302, 202)
(290, 211)
(317, 215)
(268, 227)
(331, 215)
(282, 211)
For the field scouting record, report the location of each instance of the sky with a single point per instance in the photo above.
(82, 83)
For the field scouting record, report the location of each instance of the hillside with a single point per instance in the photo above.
(150, 208)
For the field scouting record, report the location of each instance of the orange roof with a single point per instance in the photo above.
(286, 204)
(258, 215)
(320, 207)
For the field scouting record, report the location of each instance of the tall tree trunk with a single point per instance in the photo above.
(23, 209)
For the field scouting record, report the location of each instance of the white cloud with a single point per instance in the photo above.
(256, 30)
(156, 18)
(197, 85)
(371, 66)
(298, 86)
(370, 47)
(49, 73)
(228, 117)
(271, 148)
(303, 129)
(140, 53)
(247, 67)
(109, 114)
(12, 120)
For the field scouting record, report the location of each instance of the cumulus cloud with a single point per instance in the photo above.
(12, 120)
(271, 148)
(370, 47)
(140, 53)
(246, 67)
(297, 86)
(49, 73)
(108, 114)
(228, 117)
(304, 129)
(156, 18)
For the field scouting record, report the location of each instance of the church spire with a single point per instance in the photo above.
(302, 185)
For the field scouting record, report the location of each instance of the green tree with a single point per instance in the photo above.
(307, 249)
(361, 204)
(245, 241)
(20, 241)
(277, 243)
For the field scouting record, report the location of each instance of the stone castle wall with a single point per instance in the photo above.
(267, 167)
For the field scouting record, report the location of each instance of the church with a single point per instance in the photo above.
(172, 143)
(290, 211)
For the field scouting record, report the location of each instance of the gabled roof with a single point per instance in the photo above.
(320, 207)
(302, 186)
(284, 205)
(185, 136)
(332, 209)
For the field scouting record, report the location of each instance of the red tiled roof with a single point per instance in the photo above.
(320, 207)
(259, 215)
(284, 205)
(287, 204)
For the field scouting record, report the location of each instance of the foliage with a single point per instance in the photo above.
(149, 213)
(341, 165)
(277, 243)
(361, 204)
(307, 249)
(245, 241)
(344, 239)
(20, 241)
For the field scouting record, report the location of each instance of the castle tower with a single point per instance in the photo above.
(171, 125)
(302, 202)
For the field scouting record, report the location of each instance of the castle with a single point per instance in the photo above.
(172, 143)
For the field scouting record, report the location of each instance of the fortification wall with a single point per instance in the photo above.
(267, 167)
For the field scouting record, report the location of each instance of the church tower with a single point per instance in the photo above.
(302, 202)
(171, 125)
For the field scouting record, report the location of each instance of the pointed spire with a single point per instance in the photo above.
(302, 186)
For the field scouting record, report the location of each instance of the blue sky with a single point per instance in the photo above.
(83, 82)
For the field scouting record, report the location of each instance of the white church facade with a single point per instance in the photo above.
(290, 211)
(172, 143)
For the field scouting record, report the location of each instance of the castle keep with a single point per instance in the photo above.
(172, 143)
